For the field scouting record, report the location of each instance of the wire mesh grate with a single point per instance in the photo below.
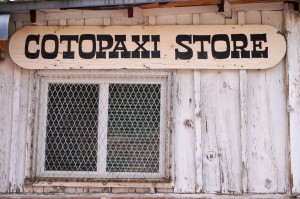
(133, 128)
(71, 137)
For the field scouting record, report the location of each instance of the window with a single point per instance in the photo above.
(102, 125)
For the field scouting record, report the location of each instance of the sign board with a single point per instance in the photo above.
(144, 47)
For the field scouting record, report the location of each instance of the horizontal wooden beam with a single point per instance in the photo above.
(258, 6)
(86, 14)
(180, 10)
(103, 184)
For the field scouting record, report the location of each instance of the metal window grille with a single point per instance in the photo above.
(102, 125)
(71, 127)
(133, 128)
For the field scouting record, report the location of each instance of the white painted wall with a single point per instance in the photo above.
(238, 140)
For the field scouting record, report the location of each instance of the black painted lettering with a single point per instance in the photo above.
(91, 38)
(257, 44)
(49, 55)
(202, 54)
(188, 54)
(69, 38)
(104, 38)
(220, 54)
(137, 53)
(239, 51)
(120, 46)
(155, 53)
(32, 55)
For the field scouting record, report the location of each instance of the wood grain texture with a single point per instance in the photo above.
(267, 124)
(220, 126)
(15, 135)
(6, 103)
(221, 131)
(23, 124)
(19, 126)
(197, 121)
(185, 181)
(168, 46)
(14, 146)
(241, 19)
(292, 21)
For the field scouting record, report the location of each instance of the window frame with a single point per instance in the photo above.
(103, 78)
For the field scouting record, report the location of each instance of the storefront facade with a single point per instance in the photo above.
(196, 100)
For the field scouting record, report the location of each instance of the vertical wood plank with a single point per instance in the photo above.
(152, 20)
(292, 22)
(243, 109)
(221, 131)
(251, 17)
(220, 112)
(30, 124)
(267, 123)
(276, 84)
(185, 179)
(211, 173)
(23, 122)
(198, 131)
(197, 121)
(14, 144)
(184, 132)
(6, 104)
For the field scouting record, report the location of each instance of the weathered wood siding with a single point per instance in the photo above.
(292, 21)
(231, 127)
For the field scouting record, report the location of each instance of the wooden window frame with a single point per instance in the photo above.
(43, 78)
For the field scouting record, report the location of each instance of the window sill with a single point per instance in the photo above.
(73, 182)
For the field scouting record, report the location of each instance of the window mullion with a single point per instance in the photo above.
(102, 128)
(41, 126)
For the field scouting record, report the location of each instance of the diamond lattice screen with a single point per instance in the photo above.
(72, 127)
(133, 128)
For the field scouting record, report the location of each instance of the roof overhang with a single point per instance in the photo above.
(7, 6)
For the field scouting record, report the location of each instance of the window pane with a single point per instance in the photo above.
(133, 128)
(72, 123)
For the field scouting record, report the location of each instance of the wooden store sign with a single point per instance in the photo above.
(156, 47)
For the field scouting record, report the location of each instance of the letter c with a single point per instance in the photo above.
(32, 55)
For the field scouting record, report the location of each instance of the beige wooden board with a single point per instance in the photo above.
(167, 46)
